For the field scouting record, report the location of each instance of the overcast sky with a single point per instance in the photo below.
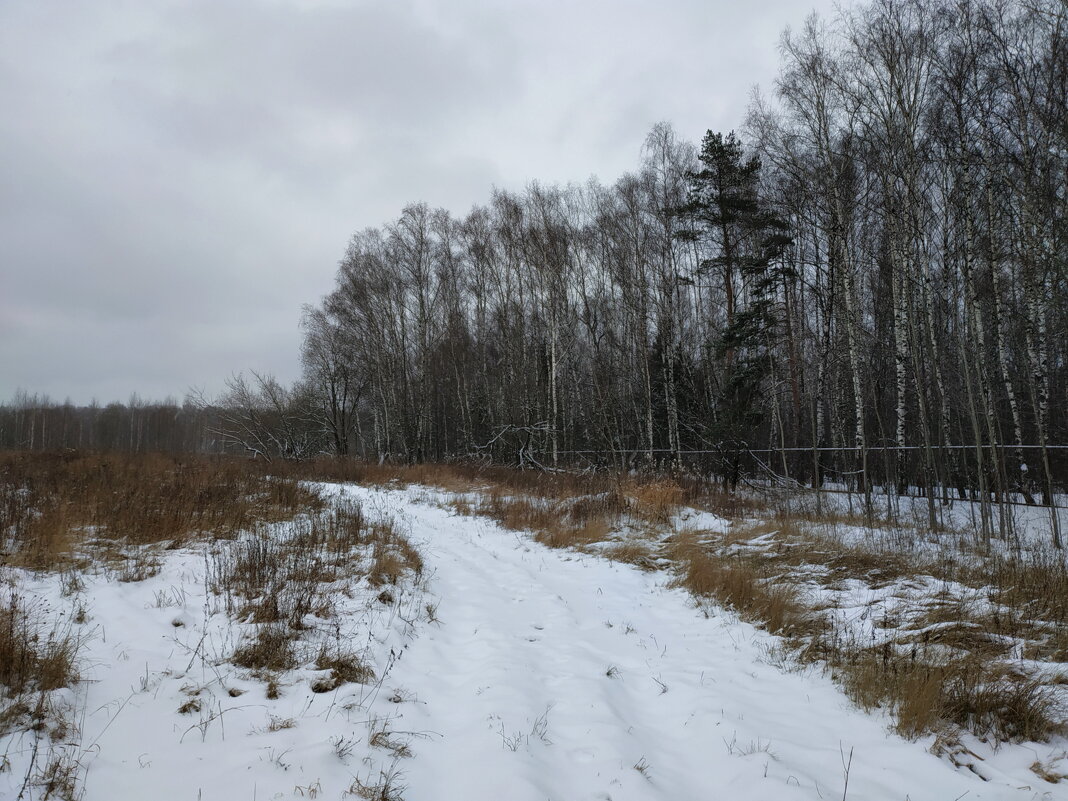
(178, 178)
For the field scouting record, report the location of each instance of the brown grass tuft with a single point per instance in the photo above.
(1046, 772)
(276, 723)
(344, 667)
(392, 556)
(270, 649)
(382, 737)
(737, 585)
(633, 553)
(31, 660)
(656, 501)
(564, 535)
(58, 777)
(386, 788)
(972, 693)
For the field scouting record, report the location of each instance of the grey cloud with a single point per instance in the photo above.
(179, 177)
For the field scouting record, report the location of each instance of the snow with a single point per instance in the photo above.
(511, 671)
(1031, 524)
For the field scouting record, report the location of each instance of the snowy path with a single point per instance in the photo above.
(548, 676)
(552, 676)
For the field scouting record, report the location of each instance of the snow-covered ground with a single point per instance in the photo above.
(512, 671)
(1029, 525)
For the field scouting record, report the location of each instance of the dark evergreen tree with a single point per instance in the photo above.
(743, 242)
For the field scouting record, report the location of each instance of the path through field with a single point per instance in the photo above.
(553, 675)
(510, 672)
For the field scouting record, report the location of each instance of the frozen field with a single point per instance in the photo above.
(508, 671)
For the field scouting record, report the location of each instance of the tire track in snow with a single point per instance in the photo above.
(546, 677)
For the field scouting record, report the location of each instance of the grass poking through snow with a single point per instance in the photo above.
(785, 569)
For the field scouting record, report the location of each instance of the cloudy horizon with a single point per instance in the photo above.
(180, 178)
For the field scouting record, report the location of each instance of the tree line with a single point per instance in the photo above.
(255, 416)
(36, 422)
(871, 283)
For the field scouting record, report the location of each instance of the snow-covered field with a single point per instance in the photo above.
(508, 671)
(1029, 525)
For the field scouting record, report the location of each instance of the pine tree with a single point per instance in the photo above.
(743, 242)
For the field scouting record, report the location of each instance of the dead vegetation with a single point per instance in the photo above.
(1046, 772)
(117, 514)
(941, 652)
(946, 658)
(386, 787)
(345, 667)
(33, 658)
(927, 691)
(739, 585)
(382, 737)
(54, 505)
(269, 650)
(36, 657)
(57, 777)
(949, 663)
(562, 515)
(633, 552)
(285, 587)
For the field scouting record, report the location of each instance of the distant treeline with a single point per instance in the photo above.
(31, 422)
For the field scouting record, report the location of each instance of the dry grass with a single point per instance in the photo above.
(1045, 771)
(556, 523)
(265, 581)
(382, 737)
(925, 692)
(266, 578)
(566, 511)
(393, 555)
(657, 492)
(35, 659)
(58, 777)
(269, 650)
(337, 534)
(1035, 583)
(276, 581)
(632, 552)
(738, 585)
(797, 542)
(952, 676)
(30, 659)
(452, 478)
(53, 503)
(287, 583)
(344, 667)
(948, 665)
(276, 723)
(574, 536)
(386, 787)
(656, 501)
